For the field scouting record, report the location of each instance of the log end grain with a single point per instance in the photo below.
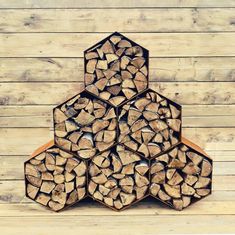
(150, 124)
(181, 176)
(55, 178)
(118, 177)
(116, 69)
(85, 125)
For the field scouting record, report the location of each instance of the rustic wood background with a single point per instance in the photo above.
(192, 49)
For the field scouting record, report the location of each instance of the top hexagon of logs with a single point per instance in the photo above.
(116, 69)
(85, 125)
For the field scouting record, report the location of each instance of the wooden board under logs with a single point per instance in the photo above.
(116, 69)
(85, 125)
(181, 176)
(54, 178)
(149, 123)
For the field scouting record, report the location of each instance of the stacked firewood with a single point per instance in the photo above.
(117, 141)
(118, 177)
(85, 125)
(150, 124)
(181, 176)
(116, 69)
(55, 178)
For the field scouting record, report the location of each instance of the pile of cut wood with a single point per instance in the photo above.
(117, 141)
(150, 123)
(116, 69)
(85, 125)
(55, 178)
(118, 177)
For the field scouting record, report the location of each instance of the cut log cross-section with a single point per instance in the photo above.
(55, 178)
(150, 124)
(118, 177)
(116, 69)
(85, 125)
(182, 176)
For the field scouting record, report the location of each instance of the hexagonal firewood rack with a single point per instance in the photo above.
(117, 141)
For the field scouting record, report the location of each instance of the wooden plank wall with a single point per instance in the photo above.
(192, 50)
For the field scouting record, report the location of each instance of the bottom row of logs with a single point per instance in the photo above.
(118, 177)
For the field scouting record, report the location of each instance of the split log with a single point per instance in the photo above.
(62, 181)
(172, 191)
(127, 178)
(85, 125)
(178, 204)
(32, 191)
(154, 189)
(202, 182)
(206, 168)
(176, 179)
(187, 190)
(148, 122)
(109, 61)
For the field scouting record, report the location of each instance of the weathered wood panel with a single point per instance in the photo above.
(46, 121)
(161, 69)
(141, 224)
(181, 92)
(16, 139)
(208, 138)
(159, 44)
(114, 4)
(101, 20)
(89, 208)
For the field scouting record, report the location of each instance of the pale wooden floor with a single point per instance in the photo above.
(192, 51)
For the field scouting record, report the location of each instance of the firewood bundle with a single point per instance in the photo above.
(118, 177)
(85, 125)
(149, 123)
(116, 69)
(181, 175)
(55, 178)
(117, 141)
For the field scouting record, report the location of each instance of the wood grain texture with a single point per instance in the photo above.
(171, 224)
(192, 60)
(114, 4)
(73, 44)
(95, 209)
(101, 20)
(181, 92)
(207, 138)
(216, 69)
